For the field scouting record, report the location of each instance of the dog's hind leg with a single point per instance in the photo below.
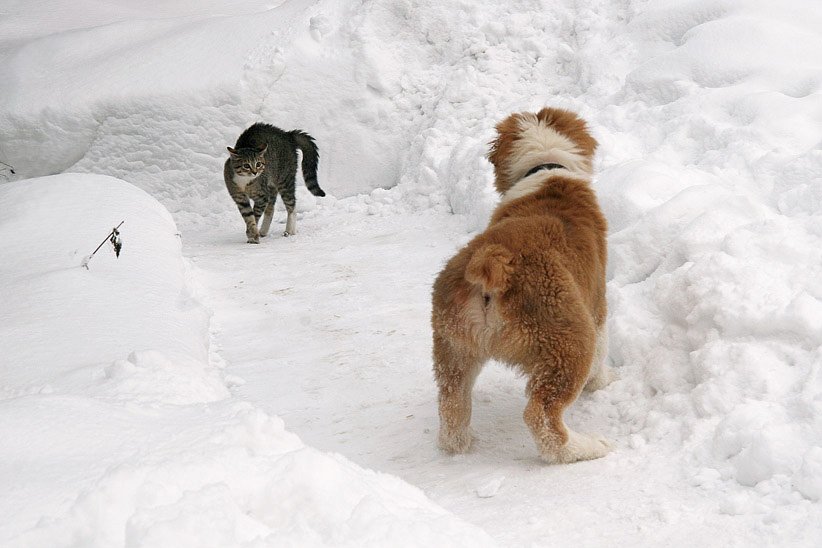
(455, 373)
(552, 388)
(601, 375)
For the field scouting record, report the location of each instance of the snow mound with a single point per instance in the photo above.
(244, 481)
(140, 307)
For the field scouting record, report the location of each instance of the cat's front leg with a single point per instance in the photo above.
(260, 206)
(247, 213)
(251, 231)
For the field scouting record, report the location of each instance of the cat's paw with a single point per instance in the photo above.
(286, 234)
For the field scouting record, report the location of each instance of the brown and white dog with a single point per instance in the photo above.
(530, 290)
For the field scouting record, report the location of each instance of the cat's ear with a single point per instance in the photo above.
(262, 149)
(232, 151)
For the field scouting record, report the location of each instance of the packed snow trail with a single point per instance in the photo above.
(329, 330)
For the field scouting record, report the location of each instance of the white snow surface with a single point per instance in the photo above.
(156, 400)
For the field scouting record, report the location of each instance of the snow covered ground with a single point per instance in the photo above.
(156, 400)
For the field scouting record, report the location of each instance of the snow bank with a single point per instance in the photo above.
(82, 347)
(114, 328)
(118, 426)
(239, 479)
(716, 245)
(155, 96)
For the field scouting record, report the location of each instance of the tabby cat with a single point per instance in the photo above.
(263, 164)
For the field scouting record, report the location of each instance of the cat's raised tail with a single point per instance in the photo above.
(311, 157)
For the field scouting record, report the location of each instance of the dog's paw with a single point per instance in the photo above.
(578, 447)
(253, 240)
(455, 442)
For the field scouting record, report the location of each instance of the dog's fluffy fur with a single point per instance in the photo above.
(530, 290)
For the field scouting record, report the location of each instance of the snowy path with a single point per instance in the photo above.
(329, 330)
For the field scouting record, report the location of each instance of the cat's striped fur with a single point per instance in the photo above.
(263, 164)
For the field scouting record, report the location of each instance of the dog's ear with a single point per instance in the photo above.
(507, 132)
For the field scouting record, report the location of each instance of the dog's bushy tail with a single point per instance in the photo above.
(311, 157)
(490, 268)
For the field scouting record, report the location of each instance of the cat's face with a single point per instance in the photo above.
(247, 162)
